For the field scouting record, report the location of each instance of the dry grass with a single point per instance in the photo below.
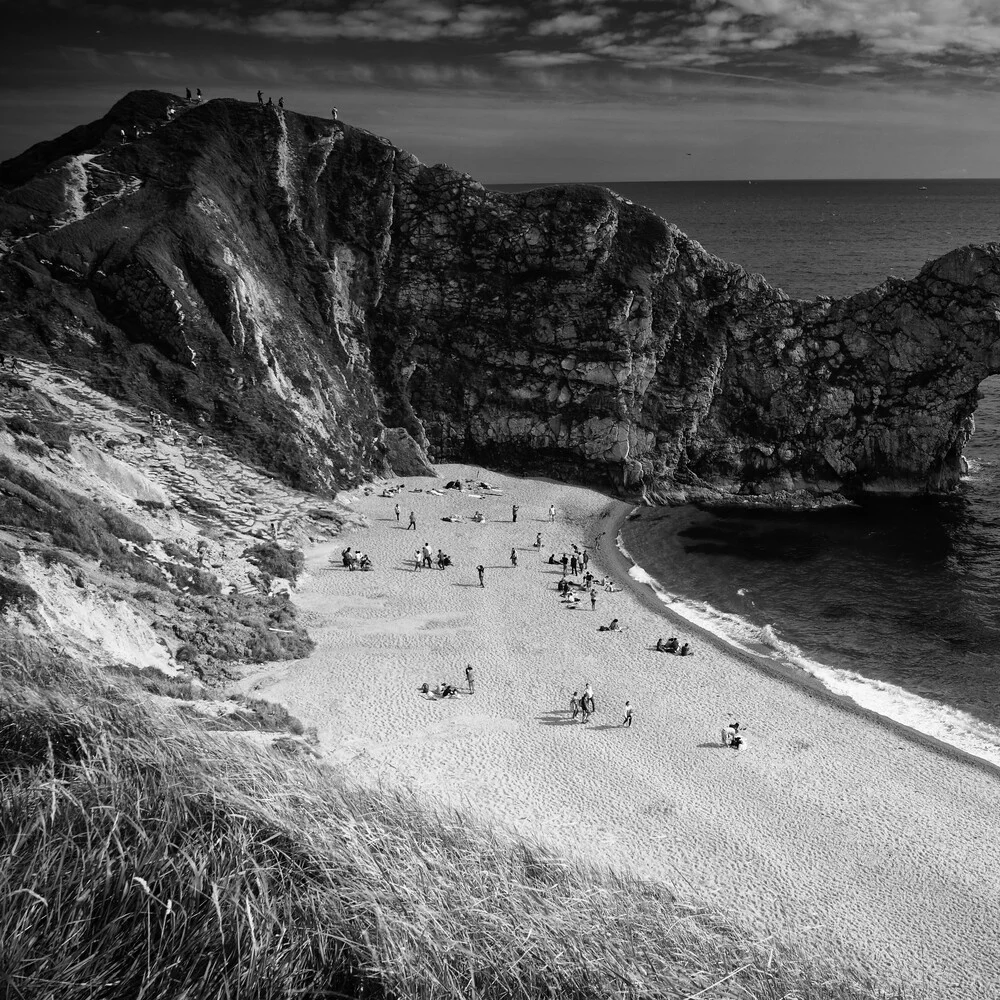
(145, 857)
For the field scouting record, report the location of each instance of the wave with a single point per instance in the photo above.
(942, 722)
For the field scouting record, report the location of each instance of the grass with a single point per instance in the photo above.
(146, 858)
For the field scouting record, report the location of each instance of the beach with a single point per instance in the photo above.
(828, 825)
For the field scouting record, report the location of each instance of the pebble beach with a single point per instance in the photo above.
(829, 825)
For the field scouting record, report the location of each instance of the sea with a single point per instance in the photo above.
(895, 603)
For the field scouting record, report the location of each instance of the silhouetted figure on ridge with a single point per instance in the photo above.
(198, 95)
(281, 102)
(334, 113)
(270, 103)
(260, 97)
(187, 93)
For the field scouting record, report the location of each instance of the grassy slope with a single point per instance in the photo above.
(146, 857)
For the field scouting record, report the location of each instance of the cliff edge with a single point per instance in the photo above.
(330, 306)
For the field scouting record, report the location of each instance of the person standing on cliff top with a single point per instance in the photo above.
(481, 570)
(281, 102)
(334, 113)
(197, 95)
(187, 93)
(513, 513)
(397, 512)
(260, 97)
(413, 522)
(552, 512)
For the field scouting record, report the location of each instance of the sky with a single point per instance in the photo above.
(560, 90)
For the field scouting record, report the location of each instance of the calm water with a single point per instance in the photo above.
(896, 604)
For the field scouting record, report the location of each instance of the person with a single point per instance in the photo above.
(347, 558)
(513, 513)
(627, 721)
(480, 569)
(397, 512)
(613, 627)
(573, 566)
(587, 702)
(270, 103)
(565, 562)
(513, 558)
(123, 136)
(281, 102)
(538, 541)
(552, 560)
(366, 563)
(260, 97)
(187, 93)
(593, 598)
(584, 708)
(426, 553)
(417, 559)
(470, 679)
(731, 735)
(552, 512)
(197, 95)
(424, 688)
(574, 705)
(334, 113)
(585, 559)
(685, 650)
(413, 522)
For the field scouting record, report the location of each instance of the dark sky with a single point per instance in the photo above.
(545, 91)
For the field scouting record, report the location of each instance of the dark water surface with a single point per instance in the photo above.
(896, 604)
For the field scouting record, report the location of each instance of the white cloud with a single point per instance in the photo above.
(568, 23)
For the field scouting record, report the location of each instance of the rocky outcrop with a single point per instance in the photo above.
(315, 295)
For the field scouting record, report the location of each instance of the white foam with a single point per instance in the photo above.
(942, 722)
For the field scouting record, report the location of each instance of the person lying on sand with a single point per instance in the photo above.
(731, 736)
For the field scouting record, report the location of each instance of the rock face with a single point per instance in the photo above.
(331, 305)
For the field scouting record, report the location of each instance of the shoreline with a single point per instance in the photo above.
(812, 832)
(775, 667)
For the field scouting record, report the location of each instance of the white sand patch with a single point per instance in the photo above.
(86, 616)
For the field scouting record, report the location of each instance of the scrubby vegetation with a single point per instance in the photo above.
(274, 560)
(156, 860)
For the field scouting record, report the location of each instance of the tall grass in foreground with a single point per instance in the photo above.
(142, 857)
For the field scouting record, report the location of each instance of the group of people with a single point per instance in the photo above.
(187, 94)
(582, 705)
(423, 559)
(448, 690)
(672, 645)
(356, 560)
(270, 102)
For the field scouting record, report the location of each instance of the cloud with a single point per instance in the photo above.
(568, 23)
(530, 59)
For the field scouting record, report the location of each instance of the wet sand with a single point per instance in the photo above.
(829, 826)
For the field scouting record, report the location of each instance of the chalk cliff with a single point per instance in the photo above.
(331, 306)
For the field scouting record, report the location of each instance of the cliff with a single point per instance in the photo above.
(327, 304)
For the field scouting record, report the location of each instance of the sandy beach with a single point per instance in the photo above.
(828, 825)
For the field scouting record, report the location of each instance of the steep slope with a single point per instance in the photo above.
(331, 306)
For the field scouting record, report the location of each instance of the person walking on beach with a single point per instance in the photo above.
(593, 598)
(470, 679)
(480, 569)
(574, 706)
(538, 542)
(413, 522)
(573, 564)
(565, 562)
(552, 512)
(627, 721)
(397, 512)
(513, 513)
(418, 560)
(426, 554)
(585, 559)
(513, 558)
